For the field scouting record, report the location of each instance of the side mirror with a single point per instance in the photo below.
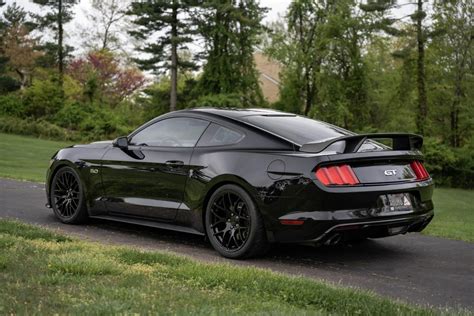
(121, 142)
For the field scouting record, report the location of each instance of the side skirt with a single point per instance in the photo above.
(148, 223)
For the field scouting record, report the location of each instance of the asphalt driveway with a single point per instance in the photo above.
(414, 268)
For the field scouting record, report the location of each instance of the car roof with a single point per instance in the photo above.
(239, 112)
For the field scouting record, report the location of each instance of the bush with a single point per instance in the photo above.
(39, 128)
(448, 166)
(12, 105)
(103, 124)
(72, 115)
(43, 99)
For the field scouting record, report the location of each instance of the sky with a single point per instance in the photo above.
(276, 8)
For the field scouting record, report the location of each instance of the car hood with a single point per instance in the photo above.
(101, 144)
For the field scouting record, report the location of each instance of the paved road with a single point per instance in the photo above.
(413, 268)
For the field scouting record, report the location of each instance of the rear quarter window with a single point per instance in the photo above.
(218, 135)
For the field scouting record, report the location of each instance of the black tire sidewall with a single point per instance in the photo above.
(254, 222)
(80, 213)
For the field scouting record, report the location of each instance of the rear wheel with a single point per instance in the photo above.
(67, 197)
(234, 225)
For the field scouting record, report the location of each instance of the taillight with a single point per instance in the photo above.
(337, 175)
(419, 170)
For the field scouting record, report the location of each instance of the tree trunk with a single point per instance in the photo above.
(174, 58)
(60, 47)
(454, 113)
(421, 76)
(309, 93)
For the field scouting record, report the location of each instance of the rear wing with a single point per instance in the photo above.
(400, 141)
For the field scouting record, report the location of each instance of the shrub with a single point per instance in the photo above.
(39, 128)
(438, 156)
(72, 115)
(43, 99)
(448, 166)
(12, 105)
(102, 123)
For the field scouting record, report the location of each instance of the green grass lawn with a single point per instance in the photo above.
(42, 272)
(27, 158)
(454, 214)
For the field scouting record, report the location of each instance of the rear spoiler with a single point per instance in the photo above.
(400, 141)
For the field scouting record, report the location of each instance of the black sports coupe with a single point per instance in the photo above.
(246, 178)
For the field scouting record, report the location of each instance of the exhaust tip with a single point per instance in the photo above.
(333, 240)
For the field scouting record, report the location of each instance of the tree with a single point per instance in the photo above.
(296, 43)
(320, 45)
(104, 79)
(388, 23)
(20, 49)
(109, 18)
(60, 13)
(165, 28)
(231, 30)
(17, 46)
(453, 54)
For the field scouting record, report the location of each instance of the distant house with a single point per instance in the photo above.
(269, 76)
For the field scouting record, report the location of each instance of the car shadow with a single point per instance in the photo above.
(376, 251)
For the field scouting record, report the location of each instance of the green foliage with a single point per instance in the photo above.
(43, 98)
(39, 128)
(72, 115)
(231, 30)
(12, 105)
(157, 19)
(220, 101)
(438, 156)
(103, 124)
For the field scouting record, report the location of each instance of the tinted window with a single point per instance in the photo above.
(217, 135)
(298, 129)
(173, 132)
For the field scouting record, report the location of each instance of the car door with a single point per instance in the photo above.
(147, 179)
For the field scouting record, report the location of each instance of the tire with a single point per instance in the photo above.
(67, 197)
(233, 224)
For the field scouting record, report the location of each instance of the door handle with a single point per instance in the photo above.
(174, 163)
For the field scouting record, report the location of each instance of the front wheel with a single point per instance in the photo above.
(67, 197)
(233, 224)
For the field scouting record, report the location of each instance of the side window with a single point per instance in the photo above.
(172, 132)
(217, 135)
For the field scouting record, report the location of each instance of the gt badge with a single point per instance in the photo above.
(391, 172)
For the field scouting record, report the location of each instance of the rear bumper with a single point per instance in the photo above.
(323, 227)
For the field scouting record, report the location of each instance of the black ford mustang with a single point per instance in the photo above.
(247, 178)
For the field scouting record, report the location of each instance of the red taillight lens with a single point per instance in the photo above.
(337, 175)
(419, 170)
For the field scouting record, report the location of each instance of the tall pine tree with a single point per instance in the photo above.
(231, 30)
(165, 28)
(59, 13)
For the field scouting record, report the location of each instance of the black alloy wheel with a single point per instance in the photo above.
(233, 224)
(67, 196)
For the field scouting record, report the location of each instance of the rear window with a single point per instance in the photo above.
(298, 129)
